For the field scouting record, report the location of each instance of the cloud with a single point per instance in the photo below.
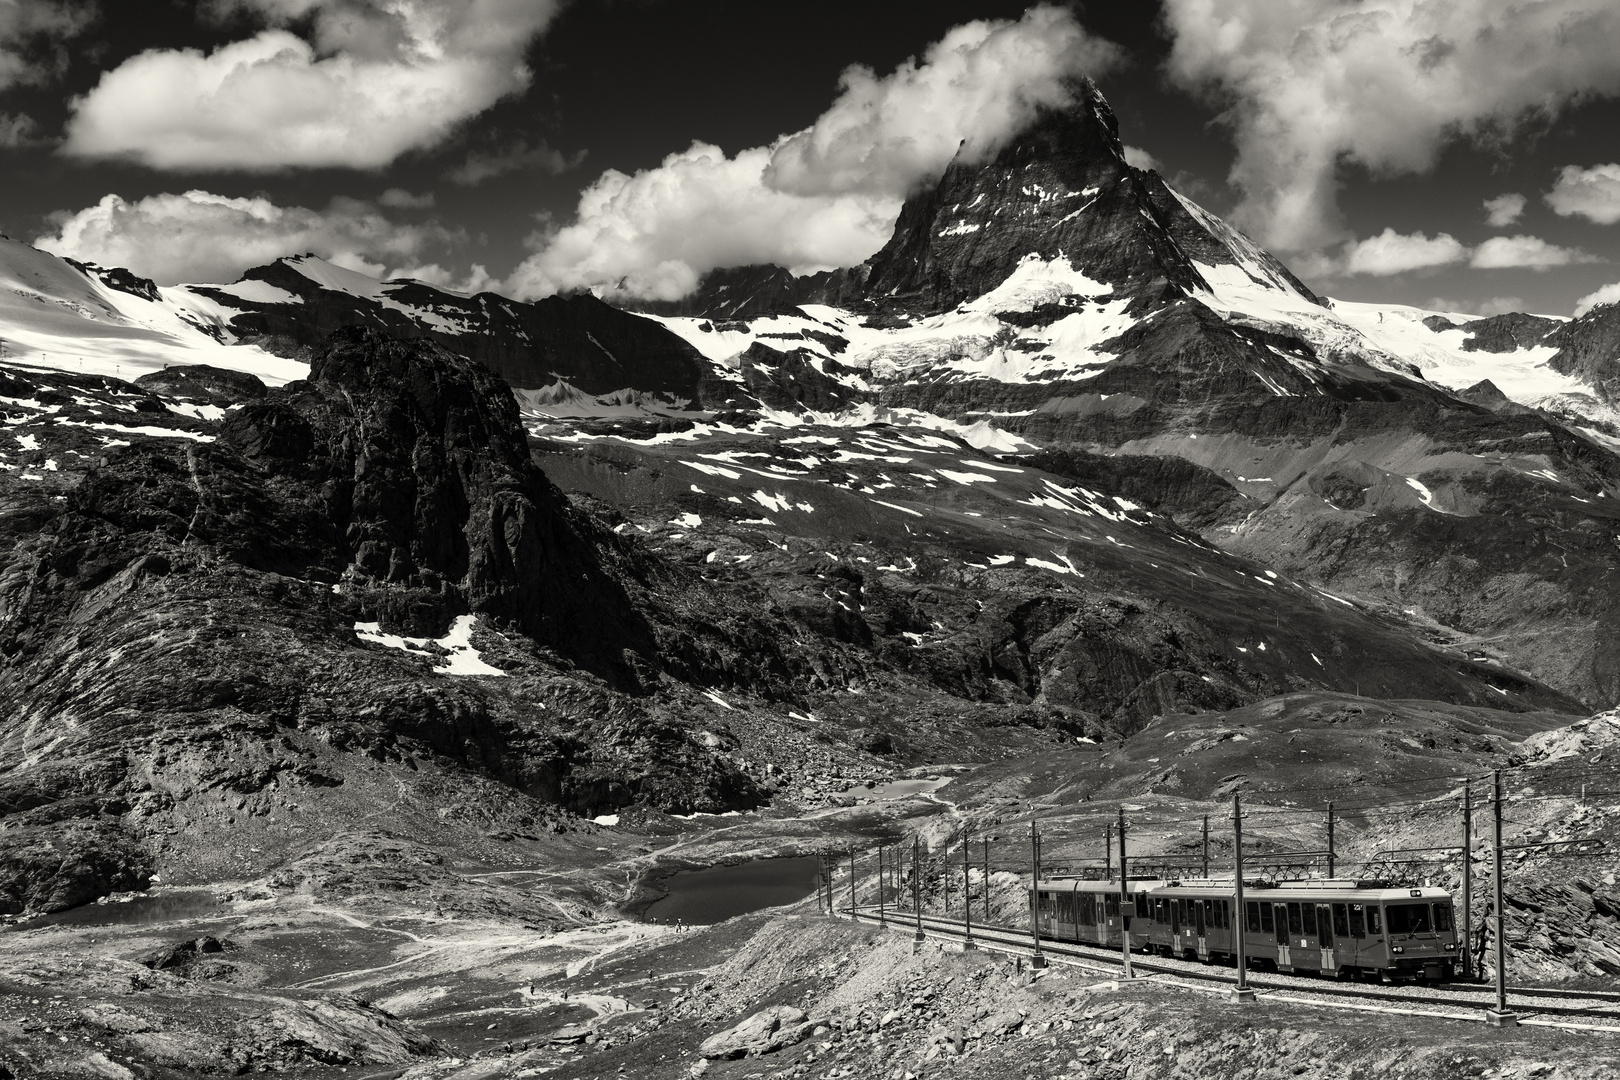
(375, 79)
(1504, 209)
(1592, 193)
(1391, 252)
(199, 236)
(400, 199)
(518, 157)
(1609, 294)
(1138, 158)
(828, 195)
(1310, 84)
(1496, 305)
(17, 130)
(1525, 252)
(476, 280)
(32, 35)
(977, 87)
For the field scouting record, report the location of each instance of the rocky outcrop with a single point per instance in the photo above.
(768, 1030)
(204, 384)
(747, 292)
(579, 339)
(1194, 496)
(1589, 349)
(45, 868)
(1061, 189)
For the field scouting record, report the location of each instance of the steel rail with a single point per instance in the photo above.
(1444, 994)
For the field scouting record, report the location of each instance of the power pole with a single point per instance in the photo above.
(1124, 898)
(852, 883)
(916, 892)
(967, 895)
(1241, 993)
(1499, 1016)
(1108, 848)
(1467, 949)
(881, 921)
(1206, 845)
(1039, 959)
(987, 881)
(1331, 857)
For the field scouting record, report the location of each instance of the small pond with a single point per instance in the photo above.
(898, 789)
(719, 892)
(165, 906)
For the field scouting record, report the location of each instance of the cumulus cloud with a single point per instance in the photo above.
(1609, 294)
(32, 34)
(1525, 252)
(374, 79)
(1592, 193)
(1504, 209)
(1391, 252)
(199, 236)
(828, 195)
(1310, 84)
(400, 199)
(1139, 158)
(517, 157)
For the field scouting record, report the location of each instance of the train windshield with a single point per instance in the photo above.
(1409, 919)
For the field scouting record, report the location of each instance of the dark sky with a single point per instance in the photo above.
(626, 82)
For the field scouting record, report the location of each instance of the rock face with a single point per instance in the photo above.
(1060, 190)
(65, 864)
(293, 304)
(768, 1030)
(1589, 348)
(180, 653)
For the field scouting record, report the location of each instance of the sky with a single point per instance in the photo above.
(1462, 155)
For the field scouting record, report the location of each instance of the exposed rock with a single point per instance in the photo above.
(49, 868)
(767, 1030)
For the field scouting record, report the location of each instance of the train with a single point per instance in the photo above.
(1333, 928)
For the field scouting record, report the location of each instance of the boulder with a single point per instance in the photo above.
(767, 1030)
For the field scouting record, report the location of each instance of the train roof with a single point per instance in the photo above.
(1092, 885)
(1329, 889)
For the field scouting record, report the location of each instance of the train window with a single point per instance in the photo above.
(1251, 911)
(1293, 919)
(1375, 920)
(1409, 918)
(1111, 905)
(1310, 918)
(1341, 926)
(1442, 917)
(1162, 910)
(1358, 921)
(1265, 918)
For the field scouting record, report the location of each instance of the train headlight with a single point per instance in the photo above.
(1397, 948)
(1450, 945)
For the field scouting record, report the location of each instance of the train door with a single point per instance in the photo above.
(1325, 939)
(1284, 954)
(1175, 926)
(1201, 928)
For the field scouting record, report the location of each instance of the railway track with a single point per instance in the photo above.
(1461, 1002)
